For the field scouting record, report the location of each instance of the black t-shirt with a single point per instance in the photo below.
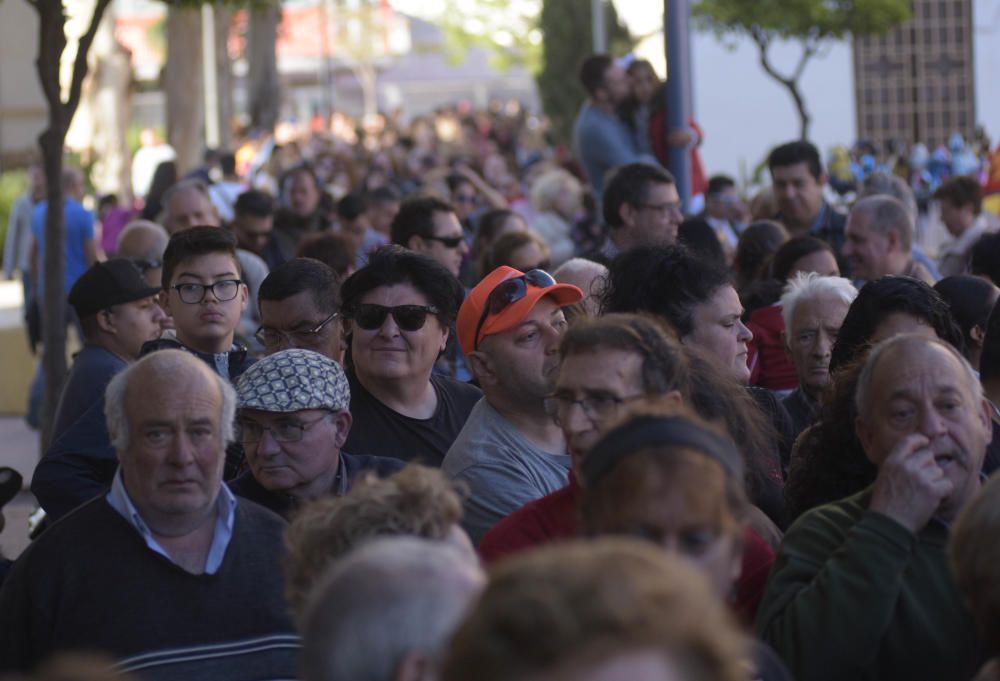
(380, 431)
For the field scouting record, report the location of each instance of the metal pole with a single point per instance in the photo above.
(211, 77)
(597, 22)
(676, 16)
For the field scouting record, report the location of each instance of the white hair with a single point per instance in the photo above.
(809, 286)
(900, 345)
(389, 598)
(164, 362)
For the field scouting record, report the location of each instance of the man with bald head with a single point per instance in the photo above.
(167, 572)
(861, 588)
(143, 242)
(879, 240)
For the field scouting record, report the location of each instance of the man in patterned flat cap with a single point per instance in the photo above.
(293, 420)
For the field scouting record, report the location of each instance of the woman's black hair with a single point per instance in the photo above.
(668, 281)
(392, 265)
(885, 296)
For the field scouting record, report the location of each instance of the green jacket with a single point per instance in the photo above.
(855, 596)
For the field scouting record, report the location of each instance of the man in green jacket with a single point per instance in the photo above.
(861, 588)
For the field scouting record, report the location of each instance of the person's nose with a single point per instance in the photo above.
(823, 345)
(181, 451)
(931, 424)
(744, 334)
(267, 445)
(389, 329)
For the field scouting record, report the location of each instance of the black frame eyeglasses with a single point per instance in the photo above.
(446, 241)
(371, 317)
(508, 292)
(272, 338)
(192, 293)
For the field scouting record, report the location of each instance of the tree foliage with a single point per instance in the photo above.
(811, 23)
(506, 29)
(567, 39)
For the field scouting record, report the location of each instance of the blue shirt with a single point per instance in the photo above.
(79, 228)
(602, 142)
(225, 507)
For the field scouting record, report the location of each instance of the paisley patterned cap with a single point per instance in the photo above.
(293, 380)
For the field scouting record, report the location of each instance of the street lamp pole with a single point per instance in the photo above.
(676, 17)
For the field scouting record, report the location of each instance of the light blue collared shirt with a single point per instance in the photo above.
(225, 506)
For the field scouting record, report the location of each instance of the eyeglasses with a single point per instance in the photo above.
(446, 241)
(407, 317)
(273, 338)
(283, 431)
(508, 292)
(224, 290)
(146, 264)
(672, 209)
(595, 407)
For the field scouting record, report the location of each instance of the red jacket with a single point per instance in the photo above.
(770, 366)
(554, 517)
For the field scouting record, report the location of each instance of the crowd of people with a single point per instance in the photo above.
(430, 402)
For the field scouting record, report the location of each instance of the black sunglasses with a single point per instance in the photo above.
(446, 241)
(510, 291)
(407, 317)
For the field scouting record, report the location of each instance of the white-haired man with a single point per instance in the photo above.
(813, 308)
(167, 572)
(861, 588)
(386, 611)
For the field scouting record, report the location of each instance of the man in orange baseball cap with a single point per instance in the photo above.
(510, 452)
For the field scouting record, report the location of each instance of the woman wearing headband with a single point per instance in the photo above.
(665, 476)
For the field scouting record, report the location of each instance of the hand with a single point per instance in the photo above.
(910, 485)
(679, 138)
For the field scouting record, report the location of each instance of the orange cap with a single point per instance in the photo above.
(472, 308)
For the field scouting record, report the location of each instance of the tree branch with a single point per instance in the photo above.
(80, 64)
(50, 32)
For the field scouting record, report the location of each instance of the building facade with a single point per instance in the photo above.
(916, 83)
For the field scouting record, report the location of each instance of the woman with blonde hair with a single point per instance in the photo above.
(558, 198)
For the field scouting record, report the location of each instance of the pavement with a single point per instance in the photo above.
(19, 445)
(20, 452)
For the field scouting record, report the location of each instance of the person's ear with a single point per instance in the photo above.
(416, 243)
(343, 421)
(978, 335)
(106, 322)
(627, 214)
(414, 666)
(164, 299)
(444, 339)
(481, 367)
(673, 397)
(893, 241)
(244, 296)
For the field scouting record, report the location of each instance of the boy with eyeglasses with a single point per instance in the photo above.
(205, 295)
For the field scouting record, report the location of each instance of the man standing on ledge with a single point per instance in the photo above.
(601, 139)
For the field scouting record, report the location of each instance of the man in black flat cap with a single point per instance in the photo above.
(118, 313)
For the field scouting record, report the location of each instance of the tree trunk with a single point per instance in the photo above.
(51, 44)
(183, 86)
(263, 85)
(223, 22)
(790, 83)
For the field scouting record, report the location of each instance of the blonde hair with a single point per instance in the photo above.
(417, 501)
(544, 609)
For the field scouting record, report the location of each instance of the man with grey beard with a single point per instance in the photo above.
(861, 587)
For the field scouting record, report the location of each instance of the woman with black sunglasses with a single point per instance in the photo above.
(400, 309)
